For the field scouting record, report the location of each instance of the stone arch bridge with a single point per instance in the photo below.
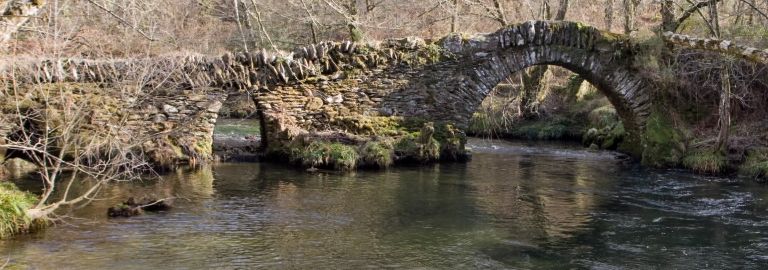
(313, 87)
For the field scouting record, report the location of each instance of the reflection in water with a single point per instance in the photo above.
(513, 206)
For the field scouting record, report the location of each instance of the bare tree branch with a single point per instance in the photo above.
(695, 7)
(123, 21)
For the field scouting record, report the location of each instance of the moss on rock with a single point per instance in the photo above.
(664, 144)
(371, 125)
(410, 149)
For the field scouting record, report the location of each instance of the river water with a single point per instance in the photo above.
(513, 206)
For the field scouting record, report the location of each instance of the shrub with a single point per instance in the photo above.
(705, 161)
(756, 165)
(324, 154)
(377, 154)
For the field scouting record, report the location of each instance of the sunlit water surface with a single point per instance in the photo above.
(513, 206)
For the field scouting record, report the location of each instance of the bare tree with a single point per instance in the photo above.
(349, 10)
(724, 110)
(671, 23)
(14, 14)
(493, 10)
(58, 136)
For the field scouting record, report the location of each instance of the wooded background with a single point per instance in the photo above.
(117, 28)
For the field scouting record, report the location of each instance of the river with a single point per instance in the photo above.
(515, 205)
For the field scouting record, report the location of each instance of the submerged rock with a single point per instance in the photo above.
(124, 210)
(132, 208)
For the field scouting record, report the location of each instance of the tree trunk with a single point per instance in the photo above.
(714, 18)
(16, 13)
(546, 11)
(724, 110)
(313, 32)
(668, 19)
(354, 23)
(533, 83)
(239, 21)
(630, 15)
(455, 16)
(534, 79)
(312, 22)
(608, 14)
(737, 9)
(501, 14)
(561, 10)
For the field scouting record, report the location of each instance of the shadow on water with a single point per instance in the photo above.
(542, 206)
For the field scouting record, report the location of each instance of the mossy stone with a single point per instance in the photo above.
(664, 144)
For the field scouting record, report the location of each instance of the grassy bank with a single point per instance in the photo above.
(13, 206)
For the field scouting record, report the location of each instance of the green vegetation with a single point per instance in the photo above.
(452, 143)
(607, 131)
(378, 154)
(756, 164)
(568, 111)
(422, 54)
(13, 206)
(604, 116)
(648, 47)
(325, 155)
(705, 161)
(164, 152)
(664, 143)
(409, 148)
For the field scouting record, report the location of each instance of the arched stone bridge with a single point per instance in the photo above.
(313, 87)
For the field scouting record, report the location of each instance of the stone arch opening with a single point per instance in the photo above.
(565, 106)
(603, 59)
(239, 133)
(611, 85)
(578, 51)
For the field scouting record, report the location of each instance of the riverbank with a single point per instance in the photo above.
(678, 134)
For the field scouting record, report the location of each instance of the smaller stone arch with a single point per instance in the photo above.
(603, 59)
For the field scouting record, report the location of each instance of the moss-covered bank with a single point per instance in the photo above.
(373, 142)
(670, 141)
